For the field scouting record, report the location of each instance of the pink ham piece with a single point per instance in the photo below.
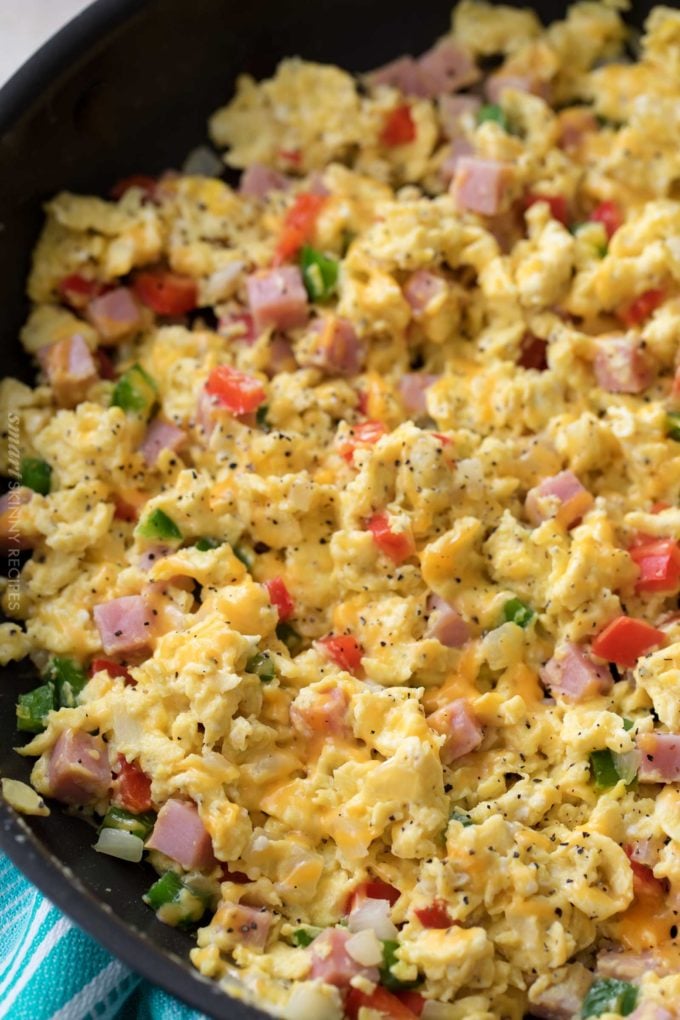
(459, 147)
(402, 73)
(620, 366)
(338, 350)
(124, 624)
(452, 110)
(413, 387)
(277, 298)
(480, 185)
(561, 497)
(152, 555)
(180, 834)
(497, 84)
(459, 725)
(332, 964)
(422, 288)
(161, 435)
(563, 1000)
(258, 180)
(251, 925)
(281, 357)
(320, 712)
(11, 533)
(629, 966)
(659, 757)
(70, 369)
(446, 68)
(574, 676)
(115, 315)
(446, 624)
(79, 771)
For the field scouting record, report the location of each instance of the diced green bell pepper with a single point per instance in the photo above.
(36, 474)
(290, 637)
(138, 825)
(205, 544)
(176, 903)
(609, 995)
(516, 611)
(673, 425)
(157, 525)
(68, 678)
(135, 392)
(33, 708)
(387, 978)
(319, 273)
(262, 665)
(492, 112)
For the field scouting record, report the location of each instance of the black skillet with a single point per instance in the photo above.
(127, 87)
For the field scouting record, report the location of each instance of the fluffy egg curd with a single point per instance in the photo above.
(351, 496)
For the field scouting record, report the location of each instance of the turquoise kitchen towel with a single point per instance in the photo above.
(51, 970)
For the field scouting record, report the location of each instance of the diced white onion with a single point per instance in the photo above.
(373, 914)
(365, 948)
(117, 843)
(312, 1000)
(222, 283)
(627, 765)
(203, 162)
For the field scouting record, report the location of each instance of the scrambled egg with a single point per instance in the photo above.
(299, 683)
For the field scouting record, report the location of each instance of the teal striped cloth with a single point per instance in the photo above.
(51, 970)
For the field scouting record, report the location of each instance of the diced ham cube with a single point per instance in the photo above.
(459, 147)
(79, 771)
(151, 555)
(12, 535)
(445, 68)
(446, 624)
(561, 497)
(480, 185)
(422, 288)
(338, 350)
(574, 125)
(452, 110)
(319, 712)
(413, 387)
(124, 624)
(628, 966)
(497, 84)
(250, 925)
(115, 315)
(161, 435)
(180, 834)
(258, 180)
(70, 369)
(572, 674)
(620, 365)
(332, 964)
(460, 727)
(277, 297)
(402, 73)
(659, 757)
(563, 1000)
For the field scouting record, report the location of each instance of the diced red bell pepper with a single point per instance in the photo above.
(293, 156)
(133, 787)
(398, 127)
(396, 544)
(166, 293)
(659, 563)
(146, 183)
(609, 215)
(557, 203)
(112, 668)
(656, 508)
(366, 433)
(235, 390)
(645, 882)
(298, 225)
(639, 310)
(344, 650)
(625, 639)
(105, 365)
(77, 291)
(362, 401)
(124, 511)
(533, 353)
(372, 889)
(380, 1000)
(280, 598)
(412, 1000)
(436, 915)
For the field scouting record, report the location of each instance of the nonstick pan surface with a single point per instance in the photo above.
(127, 87)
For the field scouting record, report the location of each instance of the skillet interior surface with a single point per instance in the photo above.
(127, 87)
